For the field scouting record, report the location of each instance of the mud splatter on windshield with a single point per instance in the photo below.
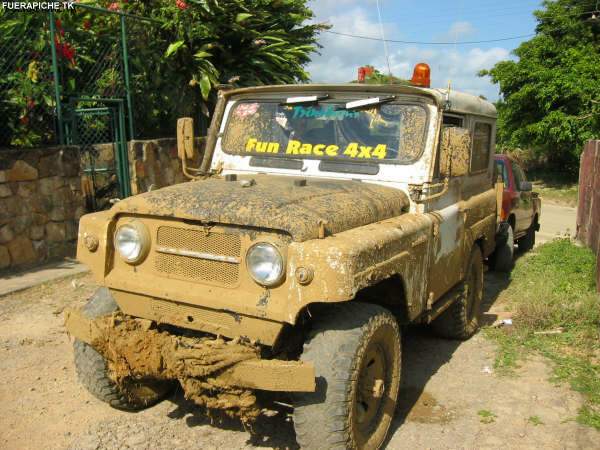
(393, 132)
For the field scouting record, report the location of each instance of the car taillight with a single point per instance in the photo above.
(502, 214)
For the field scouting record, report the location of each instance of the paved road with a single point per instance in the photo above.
(14, 282)
(556, 221)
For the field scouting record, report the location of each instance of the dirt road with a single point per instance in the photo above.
(447, 387)
(557, 220)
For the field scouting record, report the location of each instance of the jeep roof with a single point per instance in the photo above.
(459, 102)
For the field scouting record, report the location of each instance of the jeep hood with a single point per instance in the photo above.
(273, 202)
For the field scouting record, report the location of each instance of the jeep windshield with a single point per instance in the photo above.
(390, 132)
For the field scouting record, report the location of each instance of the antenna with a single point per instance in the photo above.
(385, 44)
(460, 10)
(448, 103)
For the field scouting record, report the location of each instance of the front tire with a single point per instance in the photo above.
(356, 350)
(461, 319)
(93, 372)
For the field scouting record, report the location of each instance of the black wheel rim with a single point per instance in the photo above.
(372, 389)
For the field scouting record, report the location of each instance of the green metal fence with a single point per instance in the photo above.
(100, 133)
(47, 59)
(86, 77)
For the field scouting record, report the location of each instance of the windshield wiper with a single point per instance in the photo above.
(276, 163)
(349, 167)
(367, 102)
(305, 100)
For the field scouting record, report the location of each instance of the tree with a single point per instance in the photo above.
(205, 43)
(251, 41)
(550, 96)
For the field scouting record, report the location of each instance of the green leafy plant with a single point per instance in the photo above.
(207, 43)
(175, 62)
(374, 76)
(486, 416)
(25, 87)
(556, 313)
(551, 92)
(535, 421)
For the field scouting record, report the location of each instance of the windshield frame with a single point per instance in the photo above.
(402, 99)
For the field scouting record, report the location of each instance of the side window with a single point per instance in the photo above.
(482, 142)
(452, 121)
(501, 171)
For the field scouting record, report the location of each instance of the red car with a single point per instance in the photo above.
(520, 215)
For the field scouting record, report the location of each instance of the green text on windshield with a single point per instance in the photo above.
(392, 132)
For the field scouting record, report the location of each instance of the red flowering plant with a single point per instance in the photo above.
(87, 47)
(26, 102)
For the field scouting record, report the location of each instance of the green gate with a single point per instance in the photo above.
(97, 126)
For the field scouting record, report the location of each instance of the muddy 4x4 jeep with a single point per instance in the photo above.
(321, 219)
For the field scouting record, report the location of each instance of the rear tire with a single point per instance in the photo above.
(527, 242)
(356, 351)
(93, 373)
(503, 258)
(461, 319)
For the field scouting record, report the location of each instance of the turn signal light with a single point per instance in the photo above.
(421, 76)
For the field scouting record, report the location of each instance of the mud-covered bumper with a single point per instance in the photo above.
(135, 348)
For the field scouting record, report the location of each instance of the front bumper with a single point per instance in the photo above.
(136, 348)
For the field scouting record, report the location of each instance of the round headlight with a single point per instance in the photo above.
(132, 242)
(265, 264)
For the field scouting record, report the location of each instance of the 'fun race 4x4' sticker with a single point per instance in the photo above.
(353, 150)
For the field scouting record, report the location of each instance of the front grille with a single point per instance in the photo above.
(181, 313)
(210, 246)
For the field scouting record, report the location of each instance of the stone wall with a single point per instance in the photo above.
(41, 197)
(154, 164)
(40, 205)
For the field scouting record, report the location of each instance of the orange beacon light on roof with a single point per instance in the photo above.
(421, 76)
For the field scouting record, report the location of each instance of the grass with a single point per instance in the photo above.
(555, 187)
(486, 416)
(535, 421)
(559, 193)
(556, 313)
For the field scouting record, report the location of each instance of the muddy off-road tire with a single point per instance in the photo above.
(461, 320)
(502, 260)
(527, 242)
(92, 369)
(356, 350)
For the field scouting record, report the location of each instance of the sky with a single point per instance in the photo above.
(423, 21)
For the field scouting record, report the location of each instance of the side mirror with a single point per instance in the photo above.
(186, 148)
(455, 151)
(525, 186)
